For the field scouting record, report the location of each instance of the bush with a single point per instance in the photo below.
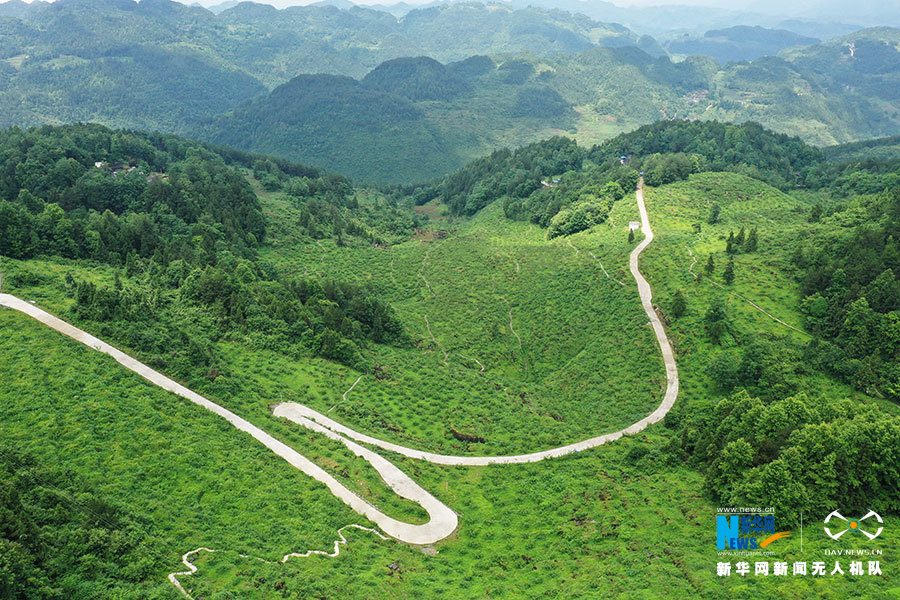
(578, 217)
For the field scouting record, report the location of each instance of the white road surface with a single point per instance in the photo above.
(442, 520)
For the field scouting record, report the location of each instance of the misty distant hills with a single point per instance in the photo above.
(416, 97)
(412, 119)
(739, 43)
(671, 21)
(864, 12)
(160, 64)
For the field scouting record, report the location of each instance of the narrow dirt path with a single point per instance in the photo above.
(599, 262)
(761, 309)
(393, 278)
(473, 358)
(436, 342)
(344, 396)
(602, 268)
(421, 272)
(745, 299)
(521, 346)
(341, 541)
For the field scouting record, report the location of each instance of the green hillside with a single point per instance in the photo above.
(484, 313)
(407, 120)
(887, 148)
(864, 61)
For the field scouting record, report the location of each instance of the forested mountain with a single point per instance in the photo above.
(667, 20)
(443, 116)
(886, 148)
(407, 120)
(737, 43)
(92, 60)
(864, 63)
(166, 66)
(159, 64)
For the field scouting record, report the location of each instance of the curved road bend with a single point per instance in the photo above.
(442, 520)
(304, 415)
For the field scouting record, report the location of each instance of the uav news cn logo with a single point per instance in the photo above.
(844, 525)
(750, 530)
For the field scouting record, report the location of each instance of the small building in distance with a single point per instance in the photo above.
(633, 225)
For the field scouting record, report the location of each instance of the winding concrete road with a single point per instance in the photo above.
(442, 520)
(305, 416)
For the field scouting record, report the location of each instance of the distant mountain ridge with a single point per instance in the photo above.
(275, 45)
(739, 43)
(159, 64)
(419, 118)
(667, 20)
(416, 97)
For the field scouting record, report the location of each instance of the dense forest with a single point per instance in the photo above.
(669, 151)
(557, 179)
(90, 192)
(504, 173)
(383, 100)
(183, 226)
(797, 454)
(59, 540)
(886, 148)
(851, 292)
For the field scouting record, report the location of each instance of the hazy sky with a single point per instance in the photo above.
(735, 4)
(849, 11)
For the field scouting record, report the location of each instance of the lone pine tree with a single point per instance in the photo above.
(728, 273)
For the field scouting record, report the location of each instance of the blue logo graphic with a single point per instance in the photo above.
(741, 532)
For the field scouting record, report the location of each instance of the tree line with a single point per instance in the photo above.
(182, 226)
